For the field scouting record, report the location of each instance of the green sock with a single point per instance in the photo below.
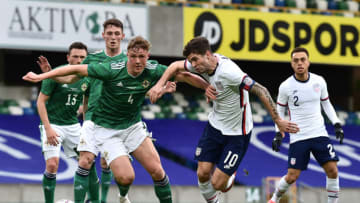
(93, 185)
(49, 183)
(124, 189)
(163, 190)
(81, 184)
(106, 177)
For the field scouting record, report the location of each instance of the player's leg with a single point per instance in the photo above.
(149, 158)
(325, 154)
(88, 148)
(81, 178)
(106, 177)
(116, 155)
(332, 181)
(49, 178)
(93, 193)
(233, 152)
(51, 156)
(208, 152)
(204, 172)
(124, 175)
(298, 159)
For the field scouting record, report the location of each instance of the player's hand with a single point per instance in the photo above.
(339, 132)
(155, 93)
(52, 137)
(170, 87)
(32, 77)
(44, 64)
(210, 93)
(276, 143)
(287, 126)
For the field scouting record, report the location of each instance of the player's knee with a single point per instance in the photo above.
(291, 178)
(125, 179)
(203, 175)
(332, 172)
(103, 163)
(85, 162)
(218, 184)
(52, 166)
(157, 173)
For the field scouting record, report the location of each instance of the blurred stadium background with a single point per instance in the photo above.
(257, 34)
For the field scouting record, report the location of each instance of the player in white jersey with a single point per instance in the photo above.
(226, 137)
(303, 94)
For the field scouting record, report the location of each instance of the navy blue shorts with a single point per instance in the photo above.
(321, 148)
(224, 151)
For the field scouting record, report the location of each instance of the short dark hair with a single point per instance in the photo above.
(198, 45)
(140, 43)
(77, 45)
(299, 49)
(115, 22)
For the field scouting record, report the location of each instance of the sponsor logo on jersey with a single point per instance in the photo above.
(219, 86)
(145, 83)
(120, 84)
(294, 92)
(84, 87)
(293, 161)
(198, 151)
(316, 87)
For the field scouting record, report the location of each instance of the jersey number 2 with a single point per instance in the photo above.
(296, 99)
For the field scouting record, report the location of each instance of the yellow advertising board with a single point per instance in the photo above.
(250, 35)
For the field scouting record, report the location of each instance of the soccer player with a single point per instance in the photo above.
(303, 94)
(118, 129)
(57, 106)
(226, 137)
(113, 35)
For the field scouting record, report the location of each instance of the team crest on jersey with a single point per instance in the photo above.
(145, 83)
(84, 87)
(316, 87)
(293, 161)
(198, 151)
(219, 86)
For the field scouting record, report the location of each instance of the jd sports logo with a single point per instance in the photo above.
(208, 26)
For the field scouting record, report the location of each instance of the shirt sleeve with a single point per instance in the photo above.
(48, 86)
(236, 77)
(100, 71)
(324, 92)
(189, 67)
(283, 98)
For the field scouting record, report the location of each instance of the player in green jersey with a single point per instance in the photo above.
(112, 35)
(57, 106)
(118, 129)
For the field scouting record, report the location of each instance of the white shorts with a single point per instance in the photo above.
(69, 136)
(111, 143)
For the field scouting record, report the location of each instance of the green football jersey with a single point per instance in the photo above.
(64, 100)
(95, 85)
(122, 95)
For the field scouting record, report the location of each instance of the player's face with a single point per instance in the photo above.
(76, 56)
(200, 62)
(300, 63)
(137, 59)
(113, 36)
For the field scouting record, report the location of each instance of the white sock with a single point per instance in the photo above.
(280, 189)
(333, 189)
(208, 192)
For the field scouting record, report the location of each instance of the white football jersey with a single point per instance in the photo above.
(303, 99)
(231, 112)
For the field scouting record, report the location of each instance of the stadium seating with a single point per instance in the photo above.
(347, 8)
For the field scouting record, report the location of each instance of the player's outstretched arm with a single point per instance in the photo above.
(171, 71)
(46, 67)
(63, 71)
(265, 97)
